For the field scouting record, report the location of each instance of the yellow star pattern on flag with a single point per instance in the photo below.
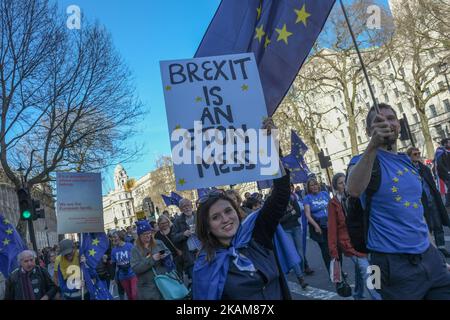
(6, 242)
(302, 15)
(9, 231)
(168, 88)
(283, 34)
(92, 252)
(400, 172)
(407, 204)
(406, 170)
(415, 205)
(395, 179)
(6, 221)
(267, 42)
(259, 33)
(181, 182)
(398, 198)
(198, 99)
(258, 10)
(95, 242)
(177, 127)
(244, 87)
(394, 189)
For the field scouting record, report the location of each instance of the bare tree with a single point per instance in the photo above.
(416, 52)
(337, 68)
(66, 96)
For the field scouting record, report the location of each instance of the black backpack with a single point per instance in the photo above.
(357, 219)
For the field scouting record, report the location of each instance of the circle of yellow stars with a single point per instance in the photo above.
(395, 189)
(283, 33)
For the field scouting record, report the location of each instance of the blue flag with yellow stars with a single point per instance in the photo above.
(176, 197)
(11, 244)
(280, 33)
(93, 247)
(298, 173)
(169, 201)
(298, 150)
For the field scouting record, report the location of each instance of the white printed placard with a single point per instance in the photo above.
(79, 207)
(215, 109)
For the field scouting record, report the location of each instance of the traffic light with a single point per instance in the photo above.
(38, 212)
(25, 204)
(325, 161)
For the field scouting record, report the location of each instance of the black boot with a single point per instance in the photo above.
(302, 282)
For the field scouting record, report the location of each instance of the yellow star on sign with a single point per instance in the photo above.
(92, 252)
(198, 99)
(168, 88)
(400, 172)
(244, 87)
(267, 42)
(95, 242)
(6, 242)
(259, 33)
(259, 11)
(9, 231)
(407, 204)
(394, 189)
(398, 198)
(395, 179)
(177, 127)
(415, 205)
(283, 34)
(302, 15)
(181, 182)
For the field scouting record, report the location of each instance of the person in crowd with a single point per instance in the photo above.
(300, 193)
(339, 240)
(66, 263)
(290, 224)
(253, 203)
(237, 260)
(316, 204)
(129, 237)
(184, 236)
(397, 235)
(121, 259)
(442, 163)
(148, 256)
(165, 234)
(434, 209)
(29, 281)
(51, 262)
(234, 195)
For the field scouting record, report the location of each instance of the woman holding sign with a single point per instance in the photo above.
(238, 259)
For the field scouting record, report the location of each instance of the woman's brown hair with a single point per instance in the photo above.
(140, 245)
(209, 242)
(308, 184)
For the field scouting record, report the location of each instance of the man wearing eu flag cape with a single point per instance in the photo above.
(280, 33)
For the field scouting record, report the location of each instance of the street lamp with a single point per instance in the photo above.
(443, 66)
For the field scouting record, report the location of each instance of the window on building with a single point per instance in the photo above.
(131, 221)
(432, 109)
(391, 76)
(323, 139)
(440, 132)
(342, 133)
(365, 93)
(388, 64)
(441, 85)
(416, 118)
(339, 121)
(374, 89)
(386, 97)
(400, 107)
(396, 92)
(332, 98)
(359, 139)
(411, 102)
(378, 69)
(427, 92)
(446, 105)
(326, 151)
(345, 117)
(318, 142)
(368, 105)
(383, 86)
(123, 214)
(345, 145)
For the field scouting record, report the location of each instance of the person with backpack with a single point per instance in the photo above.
(394, 230)
(434, 209)
(315, 204)
(339, 240)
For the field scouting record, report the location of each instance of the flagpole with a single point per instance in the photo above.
(81, 270)
(366, 76)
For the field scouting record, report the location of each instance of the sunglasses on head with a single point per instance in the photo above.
(210, 195)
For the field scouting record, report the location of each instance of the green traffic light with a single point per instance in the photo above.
(26, 214)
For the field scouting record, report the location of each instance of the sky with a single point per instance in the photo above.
(145, 32)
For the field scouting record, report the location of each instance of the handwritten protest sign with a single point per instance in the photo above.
(79, 206)
(215, 107)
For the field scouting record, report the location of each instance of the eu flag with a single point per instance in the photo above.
(203, 192)
(280, 33)
(298, 150)
(93, 247)
(169, 201)
(298, 173)
(176, 197)
(11, 244)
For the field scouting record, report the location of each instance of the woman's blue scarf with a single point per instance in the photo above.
(209, 277)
